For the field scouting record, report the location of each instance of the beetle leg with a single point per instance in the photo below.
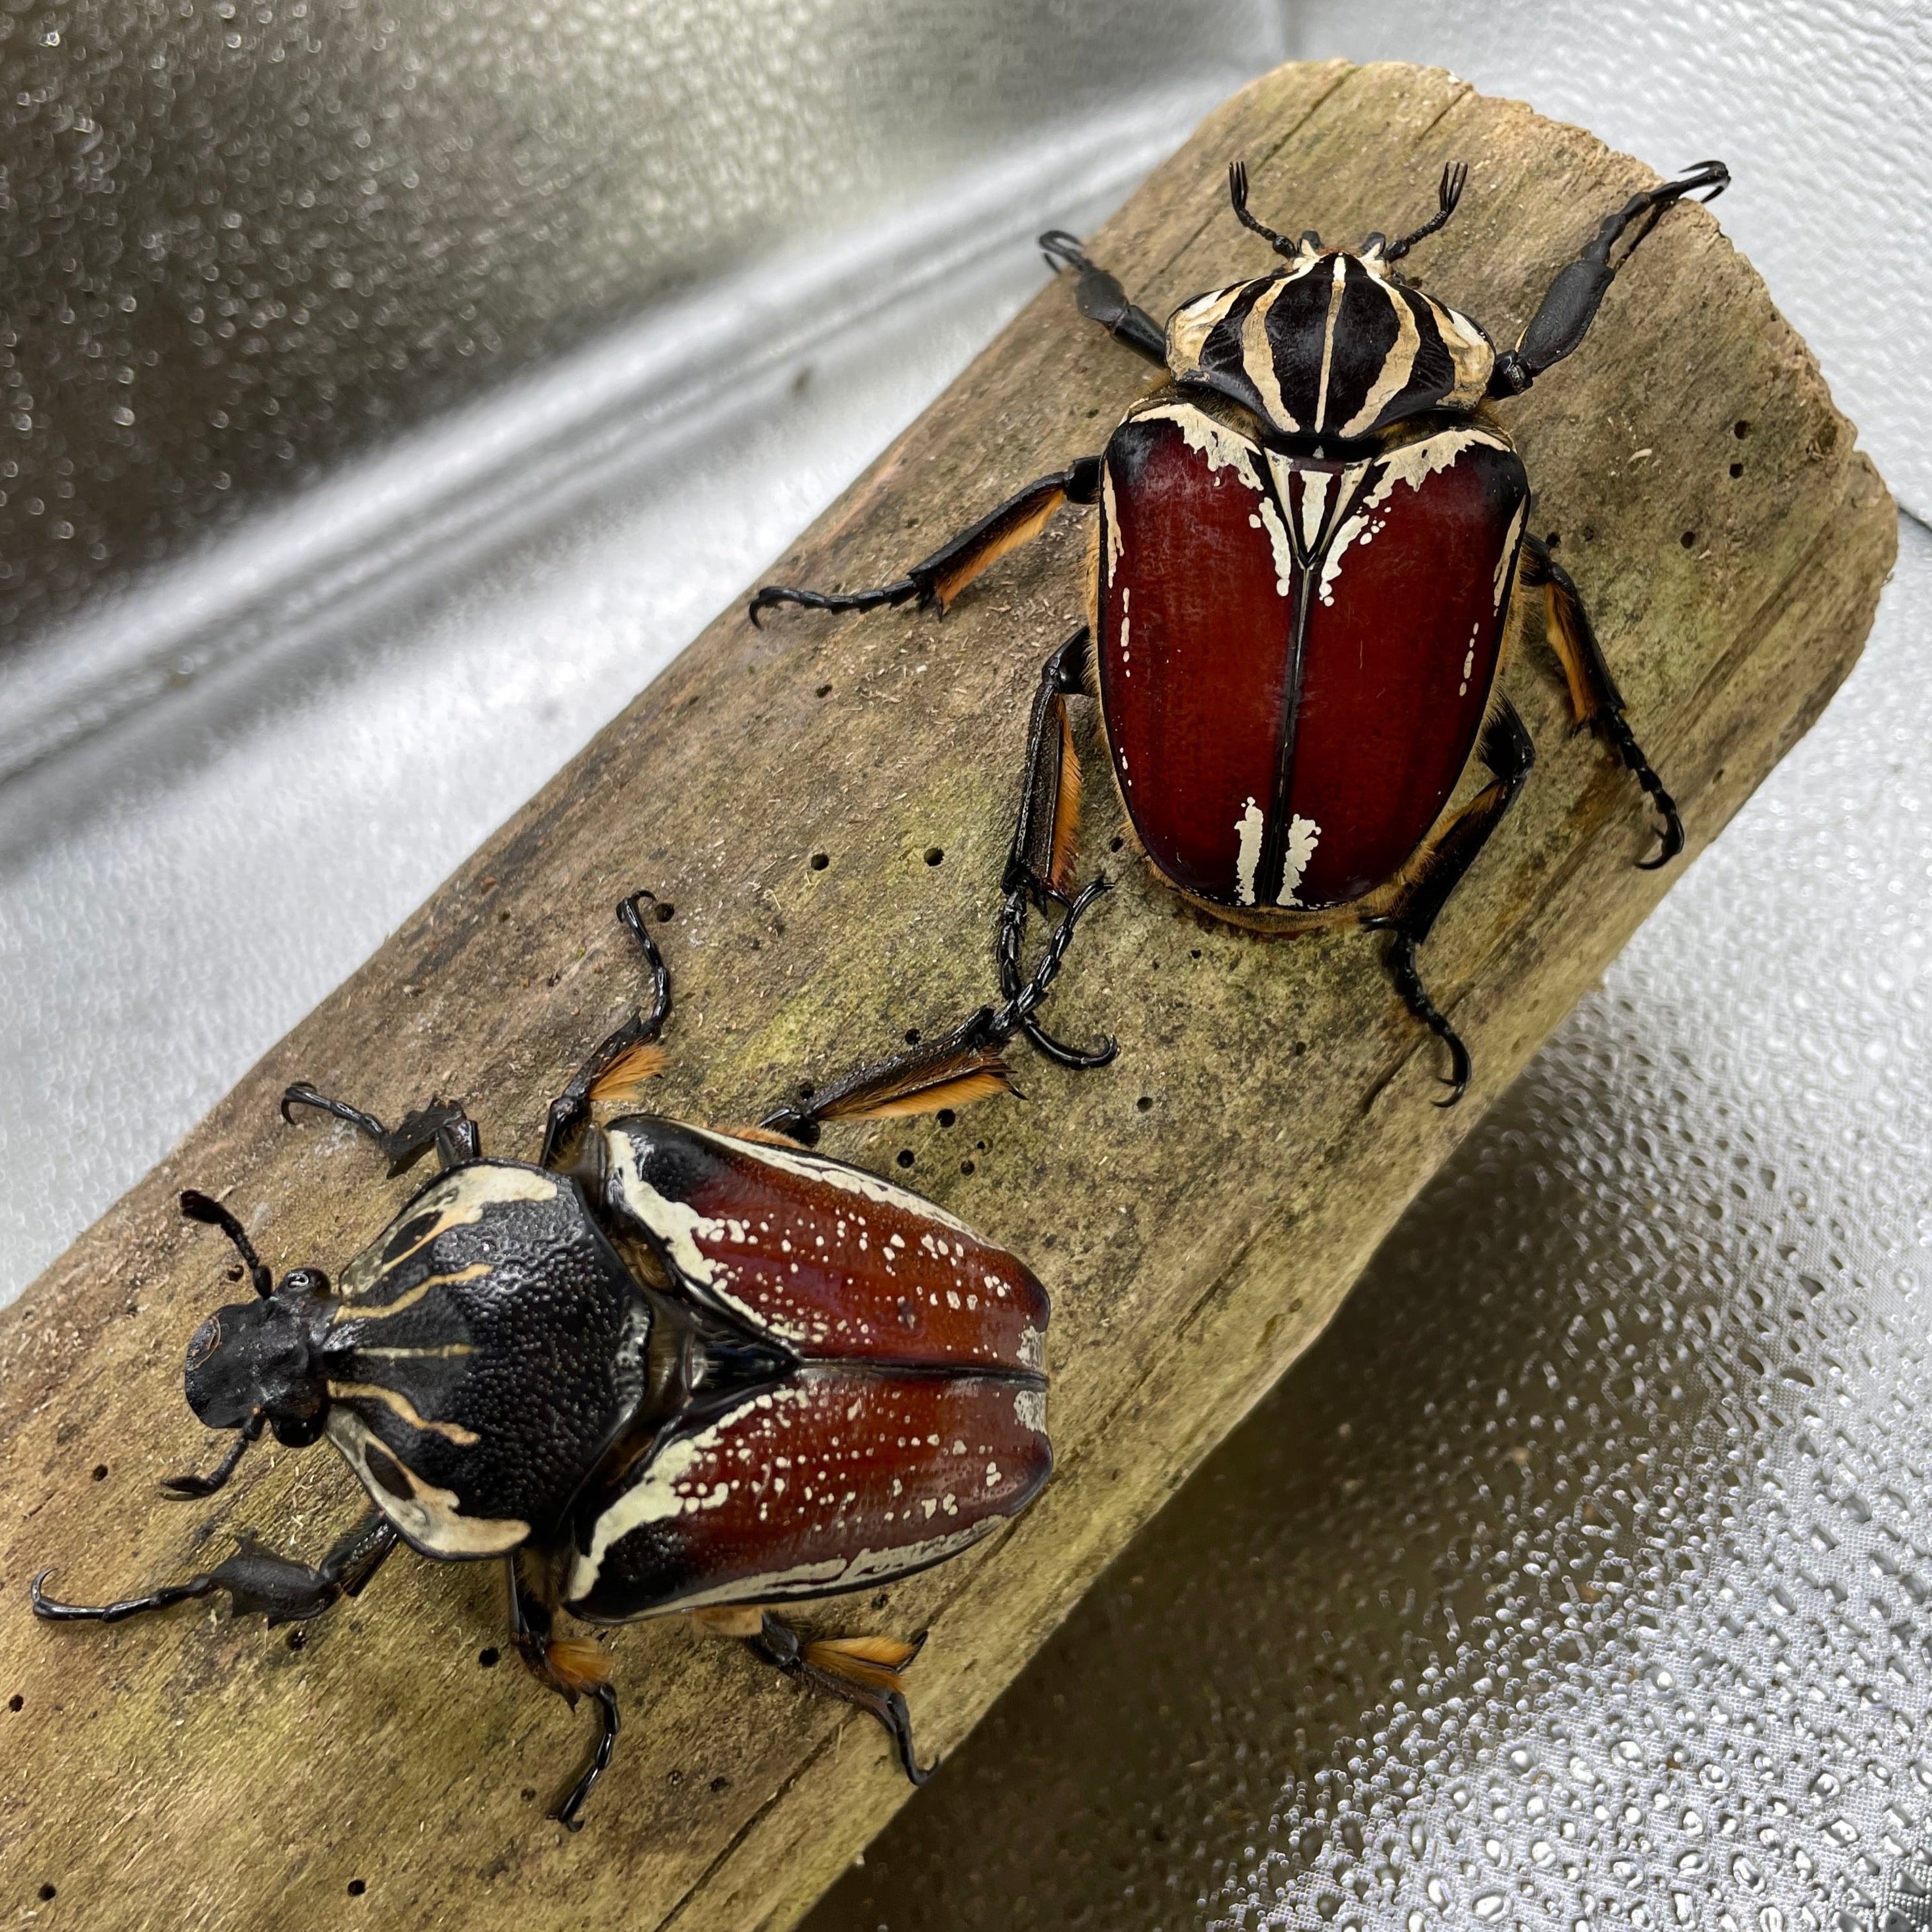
(939, 578)
(573, 1667)
(1594, 694)
(1509, 753)
(1099, 297)
(625, 1060)
(860, 1670)
(1039, 863)
(1560, 323)
(443, 1125)
(256, 1578)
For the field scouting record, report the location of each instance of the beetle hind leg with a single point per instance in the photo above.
(863, 1671)
(1507, 750)
(1594, 695)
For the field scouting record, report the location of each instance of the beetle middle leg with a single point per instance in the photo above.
(573, 1667)
(256, 1578)
(443, 1125)
(1594, 694)
(627, 1057)
(861, 1670)
(1509, 753)
(938, 579)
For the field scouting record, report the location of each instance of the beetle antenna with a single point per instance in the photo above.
(1448, 193)
(192, 1486)
(1237, 194)
(198, 1206)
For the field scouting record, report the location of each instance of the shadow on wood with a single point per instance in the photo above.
(1198, 1209)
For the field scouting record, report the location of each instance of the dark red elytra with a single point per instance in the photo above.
(1295, 656)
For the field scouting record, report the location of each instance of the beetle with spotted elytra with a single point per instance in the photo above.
(1300, 595)
(661, 1368)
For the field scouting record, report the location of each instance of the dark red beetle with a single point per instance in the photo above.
(663, 1369)
(1301, 594)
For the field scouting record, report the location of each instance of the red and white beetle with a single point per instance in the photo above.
(1301, 594)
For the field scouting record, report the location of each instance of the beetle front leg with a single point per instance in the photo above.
(1508, 752)
(939, 578)
(1594, 694)
(1560, 324)
(1099, 297)
(863, 1671)
(443, 1125)
(256, 1578)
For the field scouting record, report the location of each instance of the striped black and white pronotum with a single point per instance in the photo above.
(660, 1369)
(1301, 591)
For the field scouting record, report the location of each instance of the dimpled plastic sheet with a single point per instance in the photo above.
(1582, 1574)
(256, 235)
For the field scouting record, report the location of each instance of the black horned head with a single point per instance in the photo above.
(254, 1364)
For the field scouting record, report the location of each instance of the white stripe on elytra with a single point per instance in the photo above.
(1248, 831)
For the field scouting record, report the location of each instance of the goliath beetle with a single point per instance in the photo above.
(663, 1369)
(1299, 593)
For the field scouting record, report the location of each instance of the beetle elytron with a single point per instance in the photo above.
(662, 1369)
(1300, 594)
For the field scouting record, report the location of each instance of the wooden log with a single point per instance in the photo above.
(1198, 1210)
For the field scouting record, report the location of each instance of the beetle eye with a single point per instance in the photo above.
(206, 1340)
(304, 1281)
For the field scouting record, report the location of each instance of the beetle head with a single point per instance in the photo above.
(255, 1363)
(256, 1359)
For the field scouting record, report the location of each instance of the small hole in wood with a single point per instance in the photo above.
(823, 691)
(16, 1701)
(933, 855)
(231, 1274)
(47, 1893)
(819, 860)
(357, 1887)
(1117, 843)
(965, 1167)
(298, 1640)
(946, 1116)
(101, 1472)
(1555, 540)
(1194, 953)
(721, 1784)
(666, 910)
(1737, 469)
(1145, 1104)
(905, 1157)
(1689, 539)
(912, 1035)
(490, 1658)
(1740, 431)
(528, 1794)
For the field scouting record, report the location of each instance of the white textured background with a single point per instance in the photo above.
(1583, 1575)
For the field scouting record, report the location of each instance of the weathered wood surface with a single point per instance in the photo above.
(1198, 1210)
